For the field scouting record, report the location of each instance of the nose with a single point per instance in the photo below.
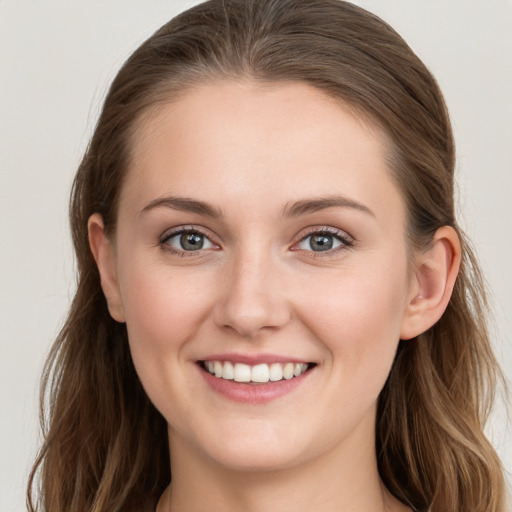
(253, 299)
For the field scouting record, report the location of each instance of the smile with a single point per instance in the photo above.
(254, 381)
(257, 374)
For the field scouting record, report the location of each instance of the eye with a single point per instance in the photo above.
(187, 240)
(324, 240)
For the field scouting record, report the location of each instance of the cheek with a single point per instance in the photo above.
(359, 320)
(164, 308)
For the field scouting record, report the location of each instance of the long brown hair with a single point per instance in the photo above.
(105, 445)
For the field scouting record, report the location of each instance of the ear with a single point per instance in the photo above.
(435, 272)
(103, 253)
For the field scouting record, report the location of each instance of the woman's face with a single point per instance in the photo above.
(260, 234)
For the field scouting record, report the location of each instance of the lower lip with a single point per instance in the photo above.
(252, 393)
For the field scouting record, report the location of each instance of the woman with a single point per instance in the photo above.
(275, 303)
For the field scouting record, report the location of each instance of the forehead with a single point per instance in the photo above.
(271, 112)
(246, 139)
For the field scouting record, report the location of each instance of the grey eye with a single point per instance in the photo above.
(189, 241)
(320, 242)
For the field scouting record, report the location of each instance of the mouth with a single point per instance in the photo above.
(262, 373)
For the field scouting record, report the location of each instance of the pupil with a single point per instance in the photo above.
(321, 242)
(191, 241)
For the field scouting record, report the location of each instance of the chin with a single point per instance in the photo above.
(253, 446)
(252, 459)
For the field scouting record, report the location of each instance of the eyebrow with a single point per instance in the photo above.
(313, 205)
(295, 209)
(184, 204)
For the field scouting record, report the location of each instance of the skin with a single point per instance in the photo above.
(250, 151)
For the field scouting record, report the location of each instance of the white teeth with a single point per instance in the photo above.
(228, 371)
(218, 368)
(242, 372)
(288, 371)
(276, 372)
(260, 373)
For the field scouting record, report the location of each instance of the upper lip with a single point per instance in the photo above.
(254, 359)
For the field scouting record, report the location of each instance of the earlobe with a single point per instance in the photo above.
(103, 253)
(434, 277)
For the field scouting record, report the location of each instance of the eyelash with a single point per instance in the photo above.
(346, 242)
(164, 239)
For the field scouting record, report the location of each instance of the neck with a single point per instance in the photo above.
(343, 480)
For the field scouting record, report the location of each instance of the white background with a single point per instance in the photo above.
(56, 59)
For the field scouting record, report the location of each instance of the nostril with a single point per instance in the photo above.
(251, 308)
